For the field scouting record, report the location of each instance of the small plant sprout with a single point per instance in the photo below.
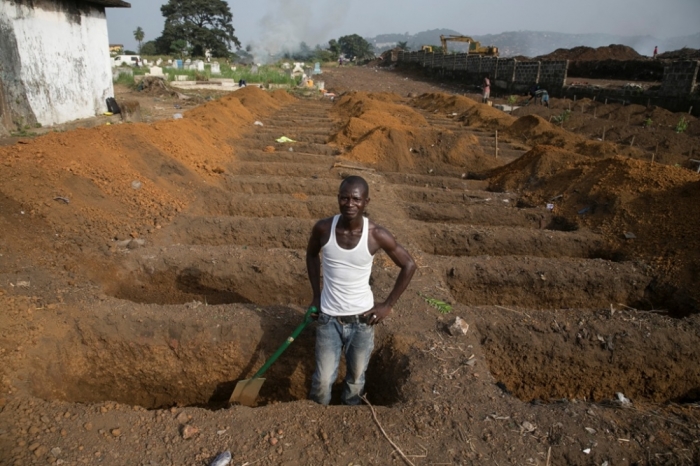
(682, 125)
(442, 306)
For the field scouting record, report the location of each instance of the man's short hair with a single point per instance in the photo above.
(355, 181)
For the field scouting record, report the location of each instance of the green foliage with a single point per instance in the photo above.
(682, 125)
(323, 55)
(149, 48)
(334, 48)
(128, 52)
(125, 80)
(512, 100)
(265, 75)
(647, 123)
(179, 47)
(442, 306)
(201, 24)
(354, 46)
(560, 119)
(139, 35)
(403, 45)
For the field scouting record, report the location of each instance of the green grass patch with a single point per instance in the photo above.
(125, 80)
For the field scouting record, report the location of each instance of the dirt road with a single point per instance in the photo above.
(146, 267)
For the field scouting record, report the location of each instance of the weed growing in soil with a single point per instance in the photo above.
(647, 123)
(560, 119)
(442, 306)
(682, 125)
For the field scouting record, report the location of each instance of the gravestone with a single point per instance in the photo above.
(317, 68)
(155, 71)
(199, 65)
(254, 69)
(215, 68)
(298, 69)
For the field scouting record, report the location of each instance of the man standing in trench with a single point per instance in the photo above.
(347, 311)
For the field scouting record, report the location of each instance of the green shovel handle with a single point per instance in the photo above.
(287, 342)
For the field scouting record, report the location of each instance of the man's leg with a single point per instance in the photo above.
(328, 347)
(358, 348)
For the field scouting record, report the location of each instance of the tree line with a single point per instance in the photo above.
(195, 26)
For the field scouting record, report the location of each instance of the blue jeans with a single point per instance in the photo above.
(356, 341)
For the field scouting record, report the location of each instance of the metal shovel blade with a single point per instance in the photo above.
(246, 392)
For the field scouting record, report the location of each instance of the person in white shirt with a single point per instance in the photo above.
(347, 310)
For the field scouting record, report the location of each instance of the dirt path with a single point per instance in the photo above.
(130, 311)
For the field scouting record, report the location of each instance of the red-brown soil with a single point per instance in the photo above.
(146, 267)
(583, 53)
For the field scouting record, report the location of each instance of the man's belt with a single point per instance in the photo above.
(356, 319)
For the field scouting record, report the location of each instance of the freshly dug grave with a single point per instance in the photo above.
(124, 352)
(646, 210)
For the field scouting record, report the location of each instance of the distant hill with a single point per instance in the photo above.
(536, 43)
(415, 41)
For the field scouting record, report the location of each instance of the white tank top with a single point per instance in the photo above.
(346, 272)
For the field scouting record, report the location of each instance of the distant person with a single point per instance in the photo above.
(540, 96)
(656, 50)
(340, 61)
(533, 92)
(487, 89)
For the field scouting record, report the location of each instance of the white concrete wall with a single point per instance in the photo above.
(65, 69)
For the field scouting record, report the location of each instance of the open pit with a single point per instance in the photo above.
(138, 309)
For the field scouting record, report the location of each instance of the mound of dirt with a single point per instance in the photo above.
(533, 130)
(583, 53)
(378, 109)
(470, 112)
(154, 85)
(126, 180)
(686, 53)
(378, 131)
(647, 210)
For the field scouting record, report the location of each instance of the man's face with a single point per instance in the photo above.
(352, 200)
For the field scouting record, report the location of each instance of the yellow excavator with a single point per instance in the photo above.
(427, 48)
(475, 47)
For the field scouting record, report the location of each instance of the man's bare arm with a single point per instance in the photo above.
(402, 259)
(313, 261)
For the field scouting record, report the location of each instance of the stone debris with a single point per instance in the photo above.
(458, 327)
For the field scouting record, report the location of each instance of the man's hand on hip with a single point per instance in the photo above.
(377, 313)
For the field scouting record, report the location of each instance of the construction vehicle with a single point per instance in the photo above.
(475, 47)
(427, 48)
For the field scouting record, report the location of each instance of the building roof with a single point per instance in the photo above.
(111, 3)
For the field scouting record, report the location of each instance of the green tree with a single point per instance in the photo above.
(322, 55)
(148, 48)
(179, 47)
(334, 48)
(354, 46)
(139, 35)
(403, 46)
(202, 24)
(303, 53)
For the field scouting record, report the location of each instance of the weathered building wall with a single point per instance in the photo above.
(527, 72)
(55, 67)
(553, 75)
(505, 70)
(680, 78)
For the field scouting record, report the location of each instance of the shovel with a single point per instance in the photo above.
(246, 391)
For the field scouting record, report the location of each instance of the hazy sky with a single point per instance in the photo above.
(269, 23)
